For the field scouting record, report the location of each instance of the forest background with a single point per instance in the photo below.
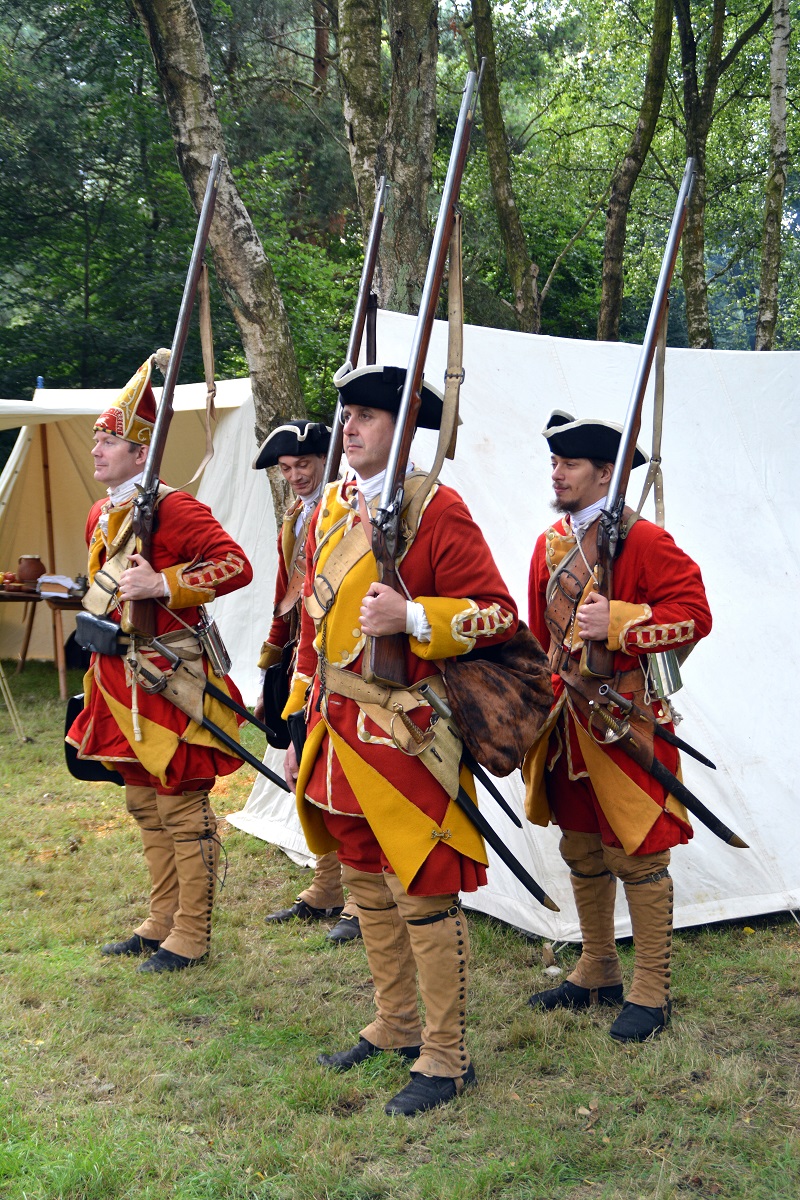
(109, 115)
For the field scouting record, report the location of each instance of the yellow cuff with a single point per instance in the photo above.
(181, 596)
(269, 655)
(446, 618)
(623, 617)
(297, 696)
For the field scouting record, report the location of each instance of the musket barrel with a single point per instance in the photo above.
(632, 417)
(433, 280)
(357, 328)
(164, 413)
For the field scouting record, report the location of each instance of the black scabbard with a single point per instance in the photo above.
(240, 752)
(476, 817)
(696, 807)
(230, 703)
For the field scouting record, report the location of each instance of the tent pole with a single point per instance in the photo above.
(55, 615)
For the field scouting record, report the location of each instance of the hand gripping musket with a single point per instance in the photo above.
(366, 305)
(599, 659)
(385, 655)
(140, 615)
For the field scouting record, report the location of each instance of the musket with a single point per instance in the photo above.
(385, 655)
(599, 659)
(140, 614)
(365, 310)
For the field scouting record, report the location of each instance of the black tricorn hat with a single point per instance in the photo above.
(295, 438)
(382, 387)
(600, 440)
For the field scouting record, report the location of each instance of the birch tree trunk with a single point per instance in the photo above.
(397, 141)
(627, 173)
(242, 268)
(523, 272)
(776, 182)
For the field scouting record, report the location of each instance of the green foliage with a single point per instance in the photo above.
(96, 227)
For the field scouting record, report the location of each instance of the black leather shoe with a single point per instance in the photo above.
(165, 960)
(428, 1091)
(569, 995)
(346, 929)
(134, 945)
(303, 912)
(638, 1023)
(343, 1060)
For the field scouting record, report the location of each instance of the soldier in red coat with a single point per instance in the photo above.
(365, 787)
(299, 450)
(167, 760)
(616, 821)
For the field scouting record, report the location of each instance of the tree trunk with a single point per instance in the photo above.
(397, 142)
(405, 153)
(362, 95)
(242, 268)
(699, 113)
(627, 173)
(322, 35)
(776, 183)
(523, 273)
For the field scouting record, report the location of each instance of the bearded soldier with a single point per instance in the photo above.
(299, 449)
(406, 848)
(616, 821)
(167, 761)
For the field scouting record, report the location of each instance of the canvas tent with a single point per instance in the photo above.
(730, 472)
(58, 426)
(730, 475)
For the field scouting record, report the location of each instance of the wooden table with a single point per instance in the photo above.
(32, 599)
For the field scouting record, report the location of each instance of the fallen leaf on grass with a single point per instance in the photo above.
(548, 957)
(748, 929)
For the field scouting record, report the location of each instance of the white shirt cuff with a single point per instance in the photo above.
(417, 624)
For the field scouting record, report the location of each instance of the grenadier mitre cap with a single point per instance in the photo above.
(295, 438)
(600, 440)
(133, 413)
(382, 387)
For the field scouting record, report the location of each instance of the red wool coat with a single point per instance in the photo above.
(349, 758)
(200, 561)
(660, 603)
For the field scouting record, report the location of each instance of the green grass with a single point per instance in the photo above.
(204, 1085)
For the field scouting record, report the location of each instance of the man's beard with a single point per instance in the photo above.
(565, 506)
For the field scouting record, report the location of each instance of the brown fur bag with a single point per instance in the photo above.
(500, 697)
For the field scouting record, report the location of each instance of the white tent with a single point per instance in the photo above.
(57, 431)
(730, 446)
(729, 471)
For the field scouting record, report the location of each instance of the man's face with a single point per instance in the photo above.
(303, 473)
(577, 482)
(368, 434)
(116, 460)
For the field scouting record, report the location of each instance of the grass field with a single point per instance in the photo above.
(204, 1084)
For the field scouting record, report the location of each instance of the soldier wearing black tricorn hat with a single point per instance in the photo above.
(299, 448)
(617, 821)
